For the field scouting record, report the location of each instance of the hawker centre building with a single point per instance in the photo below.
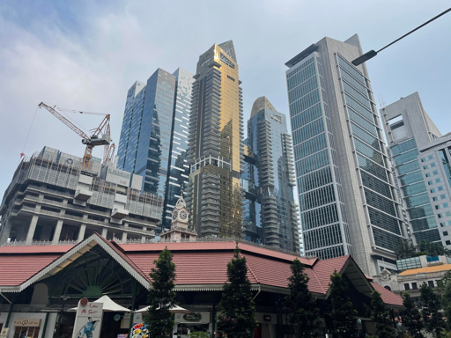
(39, 283)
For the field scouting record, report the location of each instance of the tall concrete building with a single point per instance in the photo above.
(269, 178)
(421, 158)
(347, 197)
(154, 136)
(52, 199)
(214, 196)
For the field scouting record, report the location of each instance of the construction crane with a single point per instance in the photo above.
(100, 135)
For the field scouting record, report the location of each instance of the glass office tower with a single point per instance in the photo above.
(347, 196)
(273, 175)
(409, 131)
(154, 134)
(216, 144)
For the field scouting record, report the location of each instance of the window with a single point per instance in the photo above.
(442, 224)
(437, 207)
(430, 183)
(440, 188)
(428, 175)
(448, 213)
(439, 215)
(432, 191)
(445, 233)
(425, 167)
(414, 286)
(445, 205)
(448, 242)
(423, 160)
(387, 287)
(431, 284)
(435, 198)
(437, 180)
(432, 165)
(442, 197)
(435, 172)
(430, 157)
(406, 286)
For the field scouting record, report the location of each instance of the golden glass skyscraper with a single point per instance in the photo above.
(215, 155)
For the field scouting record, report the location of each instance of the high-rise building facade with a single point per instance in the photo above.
(271, 172)
(154, 136)
(421, 158)
(214, 196)
(347, 197)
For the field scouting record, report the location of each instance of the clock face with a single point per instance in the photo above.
(183, 215)
(174, 215)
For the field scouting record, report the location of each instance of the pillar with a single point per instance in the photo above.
(143, 239)
(104, 232)
(56, 235)
(124, 237)
(31, 229)
(81, 233)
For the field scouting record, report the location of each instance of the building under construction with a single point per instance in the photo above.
(52, 198)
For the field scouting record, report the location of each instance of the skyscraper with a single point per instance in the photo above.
(347, 199)
(214, 195)
(154, 134)
(270, 170)
(420, 165)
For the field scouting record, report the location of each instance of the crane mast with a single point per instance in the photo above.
(100, 137)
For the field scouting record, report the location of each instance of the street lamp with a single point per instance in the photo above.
(369, 55)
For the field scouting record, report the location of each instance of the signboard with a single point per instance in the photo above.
(88, 321)
(4, 333)
(192, 317)
(27, 322)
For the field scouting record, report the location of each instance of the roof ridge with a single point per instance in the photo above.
(317, 279)
(120, 252)
(249, 269)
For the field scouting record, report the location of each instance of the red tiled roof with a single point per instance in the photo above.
(324, 268)
(17, 269)
(196, 246)
(28, 249)
(198, 263)
(387, 296)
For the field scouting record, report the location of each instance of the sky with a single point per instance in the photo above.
(85, 55)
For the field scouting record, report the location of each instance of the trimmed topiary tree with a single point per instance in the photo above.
(161, 297)
(237, 316)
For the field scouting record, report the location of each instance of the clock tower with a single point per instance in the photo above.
(179, 225)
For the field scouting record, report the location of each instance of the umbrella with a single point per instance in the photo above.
(108, 305)
(174, 309)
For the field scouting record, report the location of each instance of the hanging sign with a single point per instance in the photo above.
(27, 322)
(88, 321)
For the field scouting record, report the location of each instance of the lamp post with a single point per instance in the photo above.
(372, 53)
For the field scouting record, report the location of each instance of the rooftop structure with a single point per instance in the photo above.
(415, 271)
(52, 199)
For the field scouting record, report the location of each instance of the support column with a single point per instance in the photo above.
(31, 229)
(124, 237)
(81, 233)
(56, 235)
(104, 232)
(143, 239)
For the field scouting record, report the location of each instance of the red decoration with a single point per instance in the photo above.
(83, 301)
